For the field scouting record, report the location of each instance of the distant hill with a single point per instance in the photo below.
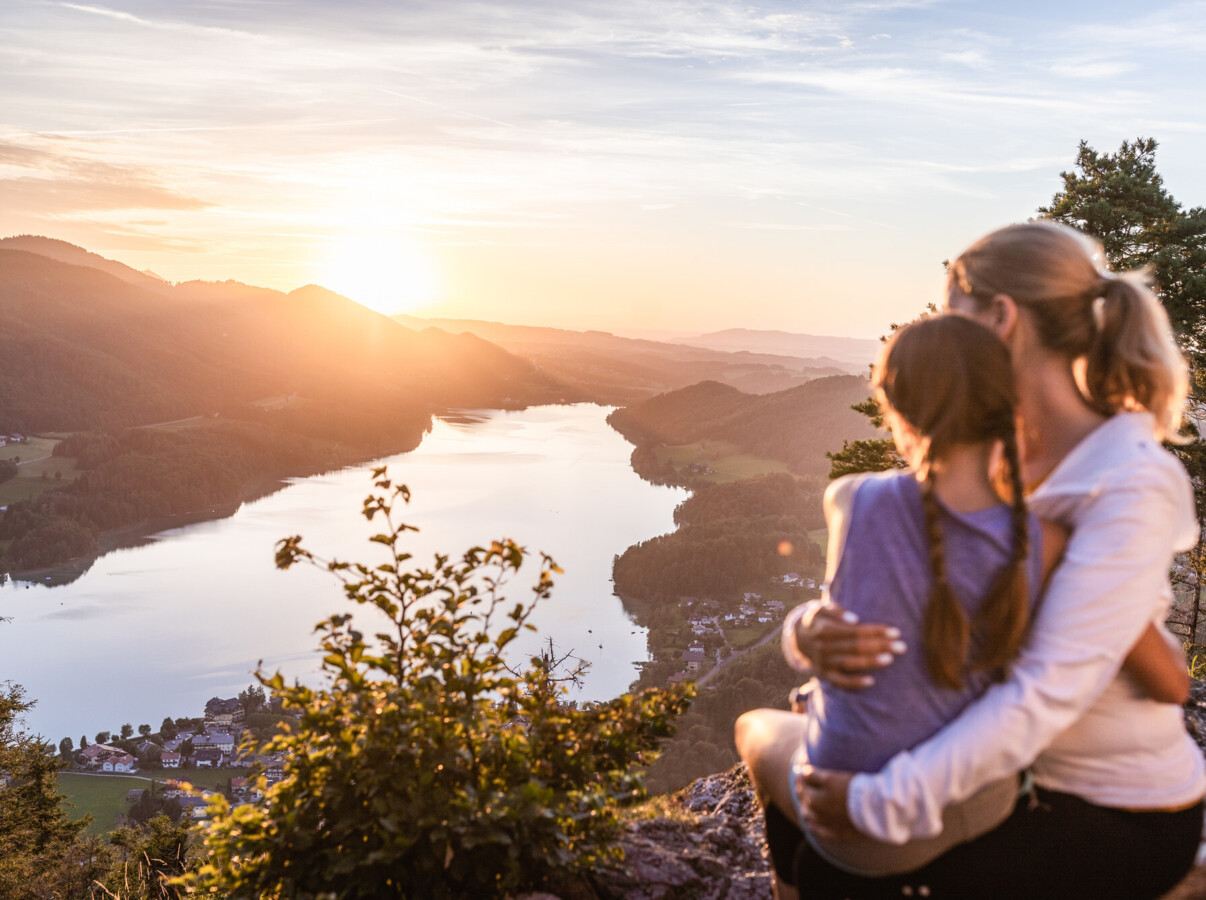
(83, 348)
(796, 426)
(78, 256)
(847, 353)
(621, 370)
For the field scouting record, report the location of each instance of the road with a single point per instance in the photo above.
(173, 422)
(113, 775)
(740, 653)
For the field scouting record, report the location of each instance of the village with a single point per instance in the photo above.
(714, 631)
(218, 740)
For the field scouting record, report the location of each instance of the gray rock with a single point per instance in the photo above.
(710, 847)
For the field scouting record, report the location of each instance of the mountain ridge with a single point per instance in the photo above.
(843, 350)
(620, 370)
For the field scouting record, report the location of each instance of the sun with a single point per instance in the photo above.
(387, 274)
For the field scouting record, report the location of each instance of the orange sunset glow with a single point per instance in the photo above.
(671, 166)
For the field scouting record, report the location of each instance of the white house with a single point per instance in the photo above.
(118, 762)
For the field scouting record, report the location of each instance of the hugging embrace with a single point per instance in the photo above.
(995, 710)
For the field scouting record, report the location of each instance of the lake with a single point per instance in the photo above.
(157, 630)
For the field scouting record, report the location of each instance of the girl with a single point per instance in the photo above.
(934, 552)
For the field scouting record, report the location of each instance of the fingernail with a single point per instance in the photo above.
(893, 633)
(884, 658)
(850, 618)
(867, 681)
(898, 647)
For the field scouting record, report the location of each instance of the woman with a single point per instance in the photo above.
(1117, 810)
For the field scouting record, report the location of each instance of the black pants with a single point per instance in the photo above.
(1053, 846)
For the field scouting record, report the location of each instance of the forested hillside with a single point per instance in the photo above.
(82, 348)
(797, 426)
(270, 384)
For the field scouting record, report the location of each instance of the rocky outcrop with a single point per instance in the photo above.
(708, 846)
(1195, 711)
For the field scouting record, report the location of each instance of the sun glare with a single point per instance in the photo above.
(387, 274)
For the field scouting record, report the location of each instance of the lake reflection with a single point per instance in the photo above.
(157, 630)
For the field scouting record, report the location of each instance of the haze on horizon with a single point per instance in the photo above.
(669, 166)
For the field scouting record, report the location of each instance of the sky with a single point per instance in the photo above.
(636, 166)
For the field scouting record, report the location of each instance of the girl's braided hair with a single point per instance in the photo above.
(949, 378)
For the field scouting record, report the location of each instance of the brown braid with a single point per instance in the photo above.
(945, 633)
(1005, 613)
(951, 381)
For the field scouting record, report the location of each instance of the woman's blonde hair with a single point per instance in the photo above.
(1112, 321)
(950, 379)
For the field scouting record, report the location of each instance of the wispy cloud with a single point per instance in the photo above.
(165, 25)
(57, 180)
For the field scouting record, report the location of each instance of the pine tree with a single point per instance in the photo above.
(1120, 199)
(39, 843)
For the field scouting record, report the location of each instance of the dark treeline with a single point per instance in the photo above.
(731, 537)
(645, 462)
(774, 494)
(137, 475)
(718, 558)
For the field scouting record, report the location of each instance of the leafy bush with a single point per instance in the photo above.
(430, 767)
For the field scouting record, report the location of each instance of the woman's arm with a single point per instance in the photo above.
(1157, 666)
(1157, 662)
(1098, 603)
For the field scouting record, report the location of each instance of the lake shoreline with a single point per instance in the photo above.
(262, 485)
(142, 533)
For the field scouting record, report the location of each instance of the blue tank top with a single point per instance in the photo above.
(884, 575)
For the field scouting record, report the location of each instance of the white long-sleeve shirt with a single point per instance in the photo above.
(1065, 708)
